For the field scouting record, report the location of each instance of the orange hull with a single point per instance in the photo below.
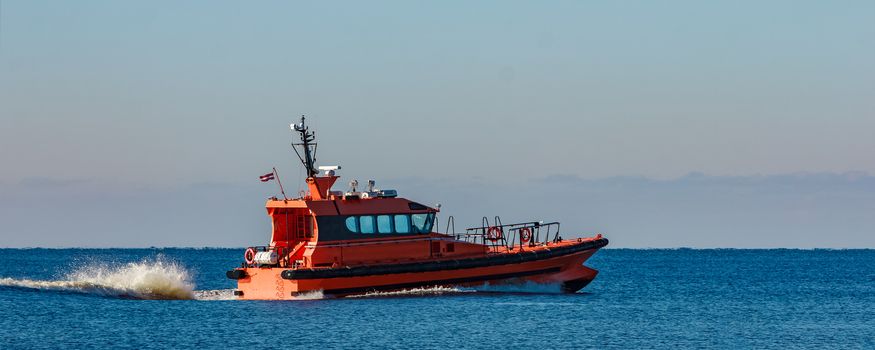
(557, 263)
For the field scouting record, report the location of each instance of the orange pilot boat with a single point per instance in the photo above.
(356, 242)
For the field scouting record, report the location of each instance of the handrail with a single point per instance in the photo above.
(451, 222)
(470, 235)
(502, 237)
(473, 234)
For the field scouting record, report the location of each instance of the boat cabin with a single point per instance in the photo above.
(326, 228)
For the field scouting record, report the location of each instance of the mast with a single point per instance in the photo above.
(309, 147)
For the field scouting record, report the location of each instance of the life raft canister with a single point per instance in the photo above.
(494, 233)
(525, 235)
(249, 256)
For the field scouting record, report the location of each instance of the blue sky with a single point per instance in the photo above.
(132, 101)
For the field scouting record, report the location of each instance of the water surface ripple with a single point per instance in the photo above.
(179, 298)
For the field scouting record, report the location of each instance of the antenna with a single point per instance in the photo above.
(308, 145)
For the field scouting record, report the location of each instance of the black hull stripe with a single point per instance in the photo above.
(504, 259)
(446, 282)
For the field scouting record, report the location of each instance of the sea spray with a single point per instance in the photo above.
(312, 295)
(215, 295)
(157, 278)
(146, 279)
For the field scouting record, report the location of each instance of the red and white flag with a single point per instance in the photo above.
(266, 177)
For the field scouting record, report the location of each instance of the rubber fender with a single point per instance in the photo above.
(236, 274)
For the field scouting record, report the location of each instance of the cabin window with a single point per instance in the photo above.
(366, 224)
(422, 222)
(352, 224)
(402, 223)
(384, 223)
(388, 224)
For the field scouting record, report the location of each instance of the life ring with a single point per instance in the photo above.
(494, 233)
(525, 235)
(249, 256)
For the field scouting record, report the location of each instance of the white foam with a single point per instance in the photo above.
(527, 287)
(436, 290)
(155, 279)
(216, 294)
(312, 295)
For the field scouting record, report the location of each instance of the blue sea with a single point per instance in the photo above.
(684, 298)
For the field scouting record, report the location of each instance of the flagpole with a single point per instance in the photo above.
(281, 184)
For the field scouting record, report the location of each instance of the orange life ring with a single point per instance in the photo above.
(249, 256)
(525, 235)
(494, 233)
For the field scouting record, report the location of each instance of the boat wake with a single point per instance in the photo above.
(314, 295)
(521, 288)
(437, 290)
(216, 294)
(154, 280)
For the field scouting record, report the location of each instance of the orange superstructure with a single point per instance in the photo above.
(354, 242)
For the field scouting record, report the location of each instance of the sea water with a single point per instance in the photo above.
(683, 298)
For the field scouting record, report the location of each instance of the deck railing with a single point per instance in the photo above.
(509, 236)
(495, 235)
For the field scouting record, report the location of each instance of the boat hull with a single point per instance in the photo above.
(558, 264)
